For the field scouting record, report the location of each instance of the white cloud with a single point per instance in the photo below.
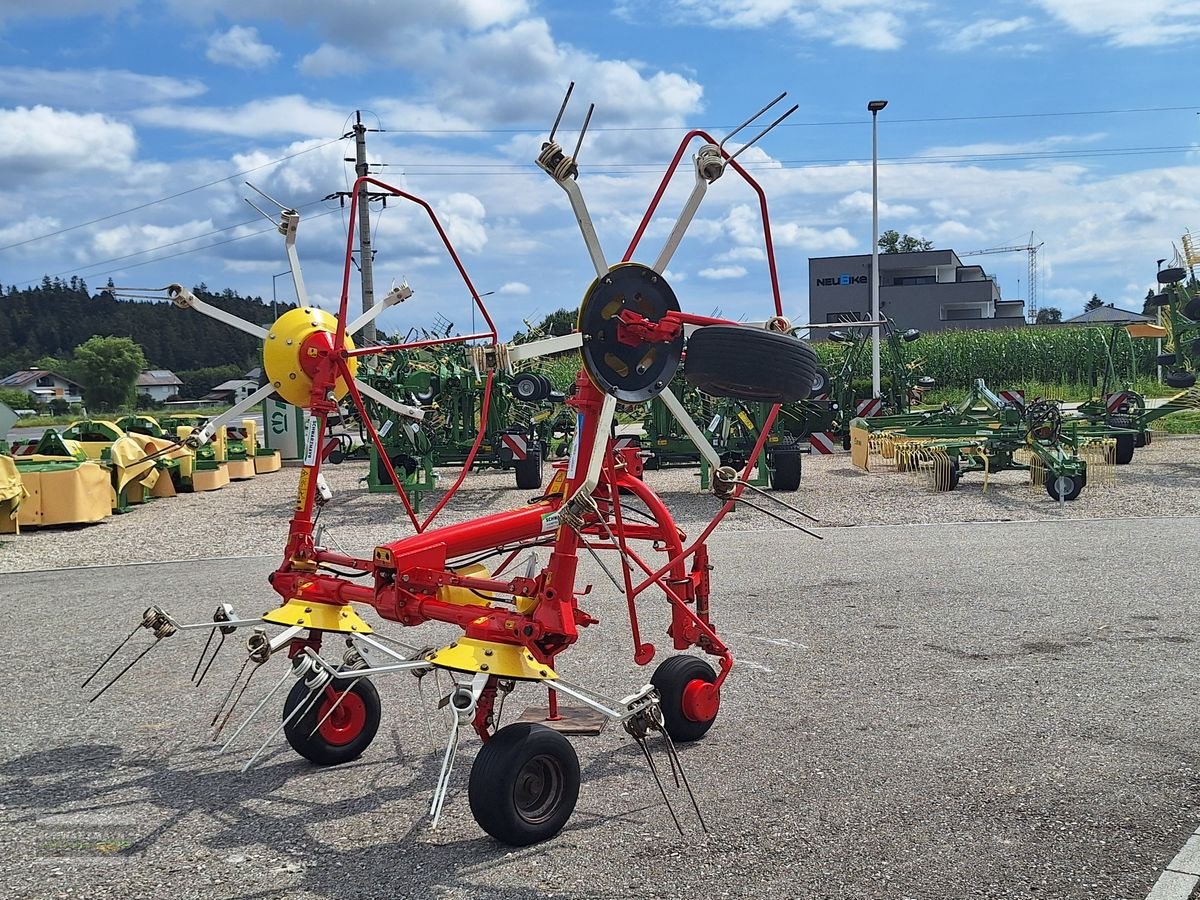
(92, 88)
(39, 140)
(722, 273)
(462, 216)
(518, 288)
(260, 119)
(328, 59)
(984, 33)
(869, 24)
(858, 203)
(240, 47)
(1146, 23)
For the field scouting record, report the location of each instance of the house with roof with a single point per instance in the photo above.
(234, 391)
(42, 386)
(1108, 315)
(160, 384)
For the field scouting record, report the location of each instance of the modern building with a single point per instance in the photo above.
(233, 391)
(930, 290)
(42, 386)
(160, 384)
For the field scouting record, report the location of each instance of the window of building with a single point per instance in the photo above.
(958, 313)
(906, 280)
(45, 381)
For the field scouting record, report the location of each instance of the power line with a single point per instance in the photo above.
(183, 193)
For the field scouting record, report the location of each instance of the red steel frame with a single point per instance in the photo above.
(407, 573)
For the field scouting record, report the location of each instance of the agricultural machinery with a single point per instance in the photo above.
(1179, 315)
(519, 614)
(985, 433)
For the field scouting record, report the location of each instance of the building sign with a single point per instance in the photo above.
(839, 280)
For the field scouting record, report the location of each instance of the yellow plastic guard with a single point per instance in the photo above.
(240, 469)
(64, 497)
(860, 446)
(12, 492)
(465, 596)
(319, 617)
(504, 660)
(267, 462)
(210, 479)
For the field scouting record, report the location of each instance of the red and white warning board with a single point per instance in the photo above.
(1114, 400)
(825, 442)
(870, 407)
(517, 443)
(624, 443)
(1012, 398)
(29, 448)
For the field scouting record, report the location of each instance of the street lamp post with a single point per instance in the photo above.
(875, 106)
(274, 297)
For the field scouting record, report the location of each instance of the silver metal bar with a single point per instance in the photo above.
(586, 228)
(582, 132)
(681, 224)
(408, 412)
(261, 703)
(336, 703)
(545, 346)
(394, 296)
(203, 435)
(300, 711)
(690, 427)
(181, 296)
(608, 409)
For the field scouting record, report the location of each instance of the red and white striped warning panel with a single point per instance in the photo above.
(1012, 398)
(868, 408)
(516, 443)
(624, 443)
(825, 442)
(29, 448)
(1114, 400)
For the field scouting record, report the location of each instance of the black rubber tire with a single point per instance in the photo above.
(785, 471)
(1165, 359)
(749, 364)
(529, 470)
(524, 784)
(346, 734)
(1172, 275)
(672, 677)
(404, 465)
(1125, 447)
(1076, 484)
(427, 395)
(955, 477)
(1141, 439)
(927, 382)
(846, 441)
(1159, 300)
(1180, 379)
(1192, 310)
(820, 383)
(529, 387)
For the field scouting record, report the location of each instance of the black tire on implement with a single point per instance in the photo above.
(1181, 379)
(749, 364)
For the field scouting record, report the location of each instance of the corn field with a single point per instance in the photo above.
(1010, 357)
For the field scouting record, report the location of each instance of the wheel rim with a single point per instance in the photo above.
(538, 790)
(701, 700)
(346, 721)
(1063, 485)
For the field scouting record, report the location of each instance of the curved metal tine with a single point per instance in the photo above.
(443, 783)
(254, 206)
(562, 109)
(751, 119)
(128, 638)
(236, 700)
(211, 634)
(767, 512)
(770, 496)
(266, 196)
(228, 694)
(658, 781)
(582, 132)
(300, 711)
(261, 703)
(754, 140)
(124, 670)
(680, 774)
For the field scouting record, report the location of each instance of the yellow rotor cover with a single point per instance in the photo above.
(282, 353)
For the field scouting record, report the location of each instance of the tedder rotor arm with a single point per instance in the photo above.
(202, 436)
(185, 299)
(403, 409)
(396, 295)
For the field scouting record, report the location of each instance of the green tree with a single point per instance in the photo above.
(108, 368)
(891, 241)
(1147, 308)
(561, 321)
(1094, 303)
(16, 398)
(1049, 315)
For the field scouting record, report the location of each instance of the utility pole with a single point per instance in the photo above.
(366, 256)
(365, 260)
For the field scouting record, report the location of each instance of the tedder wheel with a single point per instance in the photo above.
(820, 384)
(953, 475)
(530, 387)
(524, 784)
(1064, 487)
(342, 734)
(1165, 359)
(690, 700)
(1181, 379)
(1192, 310)
(785, 474)
(749, 364)
(1125, 447)
(529, 469)
(1141, 439)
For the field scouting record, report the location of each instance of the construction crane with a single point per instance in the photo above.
(1031, 304)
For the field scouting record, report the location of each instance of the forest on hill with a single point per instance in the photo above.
(48, 322)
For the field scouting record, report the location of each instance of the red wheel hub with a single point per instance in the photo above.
(347, 721)
(701, 700)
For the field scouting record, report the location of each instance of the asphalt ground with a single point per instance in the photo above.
(935, 711)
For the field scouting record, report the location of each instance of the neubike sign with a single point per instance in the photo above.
(838, 280)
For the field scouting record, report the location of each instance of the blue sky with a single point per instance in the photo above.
(1072, 120)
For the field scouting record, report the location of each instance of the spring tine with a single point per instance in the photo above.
(233, 706)
(676, 761)
(582, 132)
(261, 703)
(124, 670)
(111, 655)
(211, 632)
(767, 512)
(425, 709)
(770, 496)
(212, 659)
(751, 119)
(300, 711)
(754, 140)
(443, 784)
(562, 109)
(229, 693)
(654, 771)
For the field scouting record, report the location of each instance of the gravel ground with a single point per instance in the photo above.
(250, 517)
